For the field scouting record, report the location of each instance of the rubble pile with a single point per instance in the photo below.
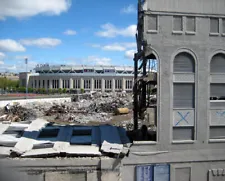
(84, 109)
(17, 113)
(108, 105)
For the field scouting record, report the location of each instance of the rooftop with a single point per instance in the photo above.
(41, 139)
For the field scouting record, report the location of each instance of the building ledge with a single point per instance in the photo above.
(216, 140)
(190, 33)
(214, 34)
(152, 31)
(135, 143)
(177, 32)
(183, 142)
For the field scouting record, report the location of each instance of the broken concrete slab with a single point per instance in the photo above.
(26, 142)
(111, 147)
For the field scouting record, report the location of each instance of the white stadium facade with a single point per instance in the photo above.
(77, 77)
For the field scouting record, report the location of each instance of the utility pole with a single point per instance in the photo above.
(26, 62)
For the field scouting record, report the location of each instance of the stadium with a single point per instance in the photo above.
(86, 77)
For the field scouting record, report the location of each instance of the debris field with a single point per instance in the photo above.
(84, 109)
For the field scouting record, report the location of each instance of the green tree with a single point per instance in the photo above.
(30, 90)
(82, 90)
(50, 91)
(64, 90)
(60, 91)
(43, 91)
(22, 89)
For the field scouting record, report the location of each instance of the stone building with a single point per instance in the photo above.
(89, 78)
(187, 38)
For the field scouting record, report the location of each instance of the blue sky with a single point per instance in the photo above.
(66, 32)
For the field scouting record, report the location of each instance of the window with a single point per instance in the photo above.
(47, 84)
(217, 92)
(98, 84)
(43, 83)
(129, 84)
(55, 84)
(66, 84)
(87, 84)
(214, 25)
(184, 63)
(223, 25)
(177, 23)
(153, 23)
(118, 84)
(190, 24)
(76, 84)
(183, 95)
(108, 84)
(217, 64)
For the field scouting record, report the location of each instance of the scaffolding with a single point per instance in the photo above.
(145, 71)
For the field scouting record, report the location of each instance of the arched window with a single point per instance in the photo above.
(217, 97)
(183, 97)
(217, 64)
(184, 63)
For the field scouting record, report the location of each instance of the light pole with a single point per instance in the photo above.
(26, 61)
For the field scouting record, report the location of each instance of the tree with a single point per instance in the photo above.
(64, 90)
(50, 91)
(22, 89)
(60, 91)
(82, 90)
(30, 90)
(8, 83)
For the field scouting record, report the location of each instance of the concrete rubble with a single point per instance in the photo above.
(84, 109)
(40, 139)
(17, 113)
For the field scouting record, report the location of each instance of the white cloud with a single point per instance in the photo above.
(129, 9)
(24, 8)
(110, 31)
(129, 54)
(2, 55)
(41, 42)
(95, 60)
(70, 32)
(1, 62)
(115, 46)
(10, 45)
(22, 57)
